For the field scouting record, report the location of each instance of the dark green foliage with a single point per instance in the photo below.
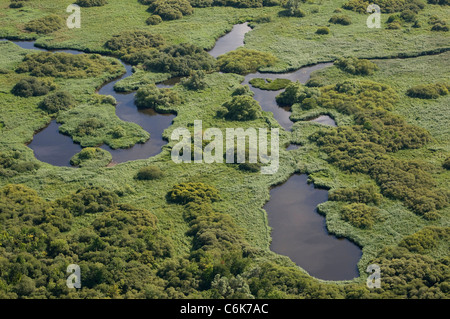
(440, 2)
(240, 3)
(12, 163)
(150, 96)
(250, 167)
(323, 30)
(196, 81)
(16, 4)
(32, 87)
(367, 194)
(201, 3)
(171, 9)
(412, 275)
(149, 173)
(386, 6)
(359, 215)
(240, 108)
(178, 60)
(244, 61)
(45, 24)
(269, 84)
(297, 93)
(193, 192)
(129, 42)
(394, 26)
(340, 19)
(446, 163)
(438, 24)
(425, 239)
(356, 66)
(91, 3)
(243, 90)
(153, 20)
(92, 157)
(364, 147)
(90, 201)
(88, 127)
(58, 101)
(428, 91)
(66, 65)
(293, 9)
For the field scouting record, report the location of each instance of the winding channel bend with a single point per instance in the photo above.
(298, 231)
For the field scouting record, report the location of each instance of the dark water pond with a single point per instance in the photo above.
(230, 41)
(300, 233)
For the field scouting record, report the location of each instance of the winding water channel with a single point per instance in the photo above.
(298, 231)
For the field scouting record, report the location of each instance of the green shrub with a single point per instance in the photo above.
(171, 9)
(243, 90)
(446, 163)
(428, 91)
(269, 84)
(323, 30)
(440, 2)
(250, 167)
(193, 192)
(149, 173)
(240, 108)
(88, 126)
(365, 194)
(244, 61)
(12, 163)
(196, 81)
(295, 92)
(360, 215)
(394, 26)
(178, 60)
(440, 26)
(33, 87)
(16, 4)
(66, 65)
(356, 66)
(58, 101)
(92, 157)
(263, 19)
(340, 19)
(201, 3)
(45, 24)
(153, 20)
(359, 6)
(425, 239)
(150, 96)
(129, 42)
(293, 9)
(91, 3)
(386, 6)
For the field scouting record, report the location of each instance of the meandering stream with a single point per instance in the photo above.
(298, 231)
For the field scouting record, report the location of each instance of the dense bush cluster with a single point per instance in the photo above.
(12, 163)
(428, 91)
(365, 146)
(412, 275)
(89, 126)
(292, 9)
(446, 163)
(356, 66)
(235, 3)
(148, 173)
(360, 215)
(386, 6)
(340, 19)
(244, 61)
(269, 84)
(58, 101)
(152, 97)
(440, 2)
(171, 9)
(129, 42)
(113, 249)
(193, 192)
(153, 20)
(178, 60)
(295, 92)
(66, 65)
(240, 108)
(366, 194)
(45, 24)
(91, 157)
(438, 24)
(33, 87)
(323, 30)
(196, 81)
(16, 4)
(91, 3)
(425, 238)
(243, 90)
